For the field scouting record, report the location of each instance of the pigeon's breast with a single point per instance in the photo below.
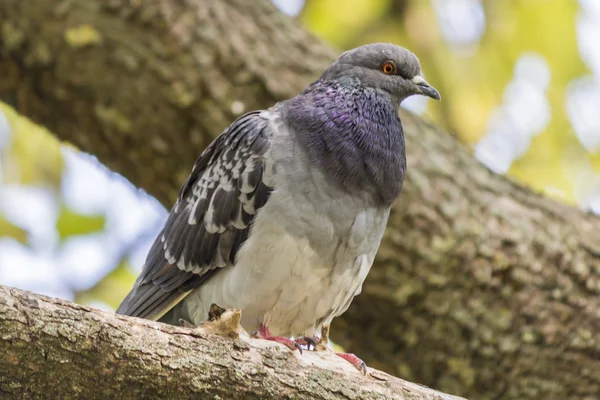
(355, 137)
(292, 275)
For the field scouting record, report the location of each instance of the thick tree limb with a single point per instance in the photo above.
(481, 287)
(51, 348)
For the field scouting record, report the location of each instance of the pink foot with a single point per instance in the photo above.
(263, 333)
(352, 359)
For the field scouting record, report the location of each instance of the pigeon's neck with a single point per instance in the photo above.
(354, 134)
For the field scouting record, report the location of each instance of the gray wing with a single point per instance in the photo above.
(210, 220)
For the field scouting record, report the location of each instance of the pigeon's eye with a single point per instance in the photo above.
(388, 68)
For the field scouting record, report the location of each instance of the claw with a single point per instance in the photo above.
(363, 367)
(357, 362)
(307, 341)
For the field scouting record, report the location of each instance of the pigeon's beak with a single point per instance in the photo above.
(425, 88)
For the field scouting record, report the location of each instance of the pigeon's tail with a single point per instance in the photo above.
(149, 301)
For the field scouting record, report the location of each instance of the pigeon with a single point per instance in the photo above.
(283, 213)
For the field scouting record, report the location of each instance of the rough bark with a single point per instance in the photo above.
(51, 348)
(481, 287)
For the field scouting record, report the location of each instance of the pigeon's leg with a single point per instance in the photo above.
(263, 333)
(351, 358)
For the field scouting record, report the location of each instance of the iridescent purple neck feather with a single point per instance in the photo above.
(354, 134)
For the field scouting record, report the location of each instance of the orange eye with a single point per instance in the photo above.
(388, 68)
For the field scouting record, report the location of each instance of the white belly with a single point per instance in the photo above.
(292, 285)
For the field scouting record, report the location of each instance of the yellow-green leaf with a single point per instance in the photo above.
(9, 229)
(69, 223)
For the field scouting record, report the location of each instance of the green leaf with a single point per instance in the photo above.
(69, 223)
(9, 229)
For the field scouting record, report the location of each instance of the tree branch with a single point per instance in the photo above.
(481, 287)
(51, 348)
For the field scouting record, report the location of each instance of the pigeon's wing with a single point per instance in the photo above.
(211, 218)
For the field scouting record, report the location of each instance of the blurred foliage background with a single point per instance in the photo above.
(520, 81)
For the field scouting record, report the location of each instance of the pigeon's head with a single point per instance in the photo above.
(384, 66)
